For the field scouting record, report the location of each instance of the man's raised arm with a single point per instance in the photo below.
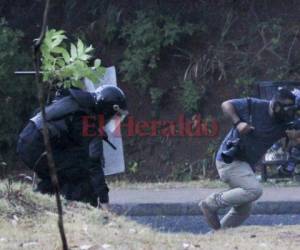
(229, 111)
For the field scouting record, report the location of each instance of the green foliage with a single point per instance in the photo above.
(156, 95)
(69, 67)
(112, 23)
(211, 151)
(245, 84)
(190, 96)
(16, 93)
(133, 167)
(146, 35)
(182, 172)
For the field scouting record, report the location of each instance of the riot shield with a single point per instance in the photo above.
(114, 159)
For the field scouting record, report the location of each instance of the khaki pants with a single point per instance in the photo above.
(243, 190)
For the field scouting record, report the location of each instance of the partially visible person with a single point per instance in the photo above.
(257, 125)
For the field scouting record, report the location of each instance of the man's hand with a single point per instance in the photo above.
(244, 128)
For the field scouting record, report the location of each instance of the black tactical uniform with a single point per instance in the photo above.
(79, 159)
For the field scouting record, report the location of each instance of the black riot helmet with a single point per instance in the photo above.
(110, 101)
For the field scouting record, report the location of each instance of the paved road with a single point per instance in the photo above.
(176, 209)
(192, 194)
(196, 224)
(183, 201)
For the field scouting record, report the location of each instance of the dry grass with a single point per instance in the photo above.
(204, 183)
(28, 221)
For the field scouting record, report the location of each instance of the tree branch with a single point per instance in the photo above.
(41, 97)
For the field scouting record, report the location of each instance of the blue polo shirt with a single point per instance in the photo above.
(267, 130)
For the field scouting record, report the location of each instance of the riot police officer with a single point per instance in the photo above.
(79, 159)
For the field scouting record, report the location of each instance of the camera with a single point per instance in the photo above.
(233, 147)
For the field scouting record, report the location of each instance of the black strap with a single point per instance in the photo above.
(237, 123)
(249, 101)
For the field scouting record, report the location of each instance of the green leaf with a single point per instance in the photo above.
(78, 84)
(66, 55)
(58, 50)
(57, 40)
(84, 57)
(89, 49)
(61, 63)
(100, 71)
(68, 67)
(73, 52)
(97, 63)
(80, 47)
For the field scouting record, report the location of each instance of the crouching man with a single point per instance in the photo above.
(257, 124)
(79, 158)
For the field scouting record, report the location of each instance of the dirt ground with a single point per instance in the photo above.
(110, 232)
(29, 221)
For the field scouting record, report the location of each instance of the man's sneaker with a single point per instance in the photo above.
(210, 215)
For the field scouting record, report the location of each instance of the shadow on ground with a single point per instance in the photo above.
(196, 224)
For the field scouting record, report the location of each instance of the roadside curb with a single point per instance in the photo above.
(176, 209)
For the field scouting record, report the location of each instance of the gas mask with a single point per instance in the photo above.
(284, 112)
(115, 121)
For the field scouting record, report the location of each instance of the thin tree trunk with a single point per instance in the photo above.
(41, 97)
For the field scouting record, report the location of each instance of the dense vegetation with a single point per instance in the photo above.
(173, 57)
(16, 95)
